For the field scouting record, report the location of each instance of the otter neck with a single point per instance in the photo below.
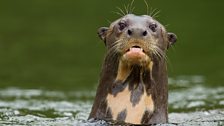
(137, 71)
(134, 76)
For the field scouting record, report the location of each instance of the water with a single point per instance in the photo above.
(51, 58)
(188, 105)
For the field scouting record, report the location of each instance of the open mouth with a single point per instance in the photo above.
(135, 49)
(136, 56)
(135, 52)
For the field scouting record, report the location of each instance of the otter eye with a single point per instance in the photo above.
(122, 26)
(153, 27)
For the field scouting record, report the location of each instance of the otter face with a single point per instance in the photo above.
(137, 38)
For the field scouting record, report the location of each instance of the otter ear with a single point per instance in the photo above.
(172, 38)
(102, 32)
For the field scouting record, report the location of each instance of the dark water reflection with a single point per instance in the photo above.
(54, 45)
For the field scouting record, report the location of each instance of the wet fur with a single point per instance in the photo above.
(130, 93)
(137, 81)
(101, 109)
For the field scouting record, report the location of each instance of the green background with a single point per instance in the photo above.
(53, 44)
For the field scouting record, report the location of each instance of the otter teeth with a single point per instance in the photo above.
(132, 47)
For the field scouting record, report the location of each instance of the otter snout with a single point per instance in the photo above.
(137, 32)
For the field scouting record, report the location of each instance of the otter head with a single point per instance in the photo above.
(136, 41)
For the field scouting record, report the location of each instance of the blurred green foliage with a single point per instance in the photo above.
(53, 44)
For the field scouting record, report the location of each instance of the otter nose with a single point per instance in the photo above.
(136, 32)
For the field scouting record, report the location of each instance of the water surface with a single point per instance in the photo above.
(188, 105)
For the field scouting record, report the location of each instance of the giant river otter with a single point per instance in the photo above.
(133, 81)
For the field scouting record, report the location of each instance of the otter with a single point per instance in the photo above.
(133, 85)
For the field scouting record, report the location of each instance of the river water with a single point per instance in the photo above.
(188, 105)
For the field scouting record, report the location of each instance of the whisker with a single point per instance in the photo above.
(121, 10)
(156, 14)
(152, 11)
(126, 8)
(153, 50)
(132, 8)
(162, 53)
(157, 51)
(112, 56)
(118, 13)
(114, 47)
(173, 48)
(147, 7)
(167, 25)
(111, 53)
(109, 21)
(117, 42)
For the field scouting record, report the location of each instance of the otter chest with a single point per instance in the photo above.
(122, 108)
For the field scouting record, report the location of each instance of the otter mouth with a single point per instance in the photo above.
(135, 52)
(135, 55)
(135, 49)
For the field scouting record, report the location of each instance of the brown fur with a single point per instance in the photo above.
(133, 90)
